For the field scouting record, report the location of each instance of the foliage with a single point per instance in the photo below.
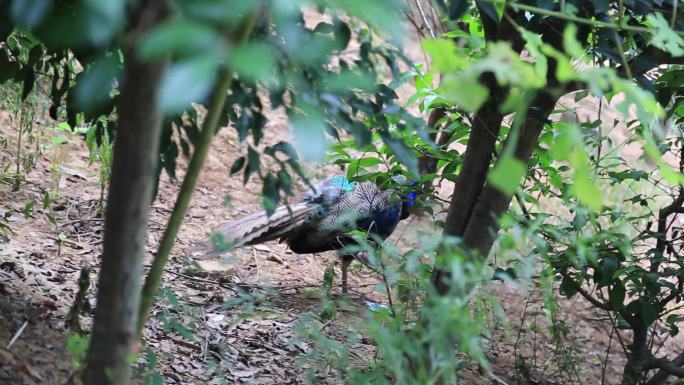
(609, 250)
(596, 250)
(77, 346)
(313, 92)
(100, 146)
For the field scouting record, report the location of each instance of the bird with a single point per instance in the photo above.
(321, 220)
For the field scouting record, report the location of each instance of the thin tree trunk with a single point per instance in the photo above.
(209, 126)
(130, 195)
(632, 373)
(483, 225)
(471, 180)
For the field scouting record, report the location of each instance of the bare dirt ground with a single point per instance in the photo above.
(41, 258)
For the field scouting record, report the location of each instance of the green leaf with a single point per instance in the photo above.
(570, 44)
(568, 287)
(93, 87)
(270, 194)
(253, 163)
(581, 218)
(237, 165)
(444, 54)
(362, 135)
(565, 142)
(488, 10)
(365, 162)
(358, 167)
(663, 36)
(649, 312)
(584, 187)
(458, 8)
(77, 345)
(507, 174)
(587, 192)
(153, 379)
(177, 37)
(185, 82)
(402, 152)
(226, 12)
(105, 19)
(466, 92)
(377, 13)
(81, 24)
(350, 80)
(579, 95)
(309, 136)
(607, 269)
(328, 278)
(253, 61)
(219, 242)
(673, 321)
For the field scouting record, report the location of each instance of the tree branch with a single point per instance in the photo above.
(489, 25)
(665, 370)
(597, 303)
(650, 58)
(663, 215)
(663, 364)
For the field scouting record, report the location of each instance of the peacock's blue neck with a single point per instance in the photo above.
(383, 222)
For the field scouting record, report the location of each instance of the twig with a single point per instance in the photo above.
(387, 288)
(422, 16)
(83, 220)
(580, 20)
(73, 243)
(592, 300)
(520, 328)
(17, 334)
(326, 324)
(496, 379)
(605, 360)
(521, 203)
(414, 24)
(256, 261)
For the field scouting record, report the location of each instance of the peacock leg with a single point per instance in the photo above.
(346, 261)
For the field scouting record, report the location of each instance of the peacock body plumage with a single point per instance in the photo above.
(354, 206)
(320, 221)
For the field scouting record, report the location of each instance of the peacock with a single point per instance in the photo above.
(320, 222)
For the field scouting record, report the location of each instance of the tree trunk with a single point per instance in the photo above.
(632, 374)
(471, 180)
(130, 194)
(475, 207)
(483, 224)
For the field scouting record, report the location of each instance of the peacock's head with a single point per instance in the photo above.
(408, 193)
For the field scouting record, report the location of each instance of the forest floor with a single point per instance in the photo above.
(195, 337)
